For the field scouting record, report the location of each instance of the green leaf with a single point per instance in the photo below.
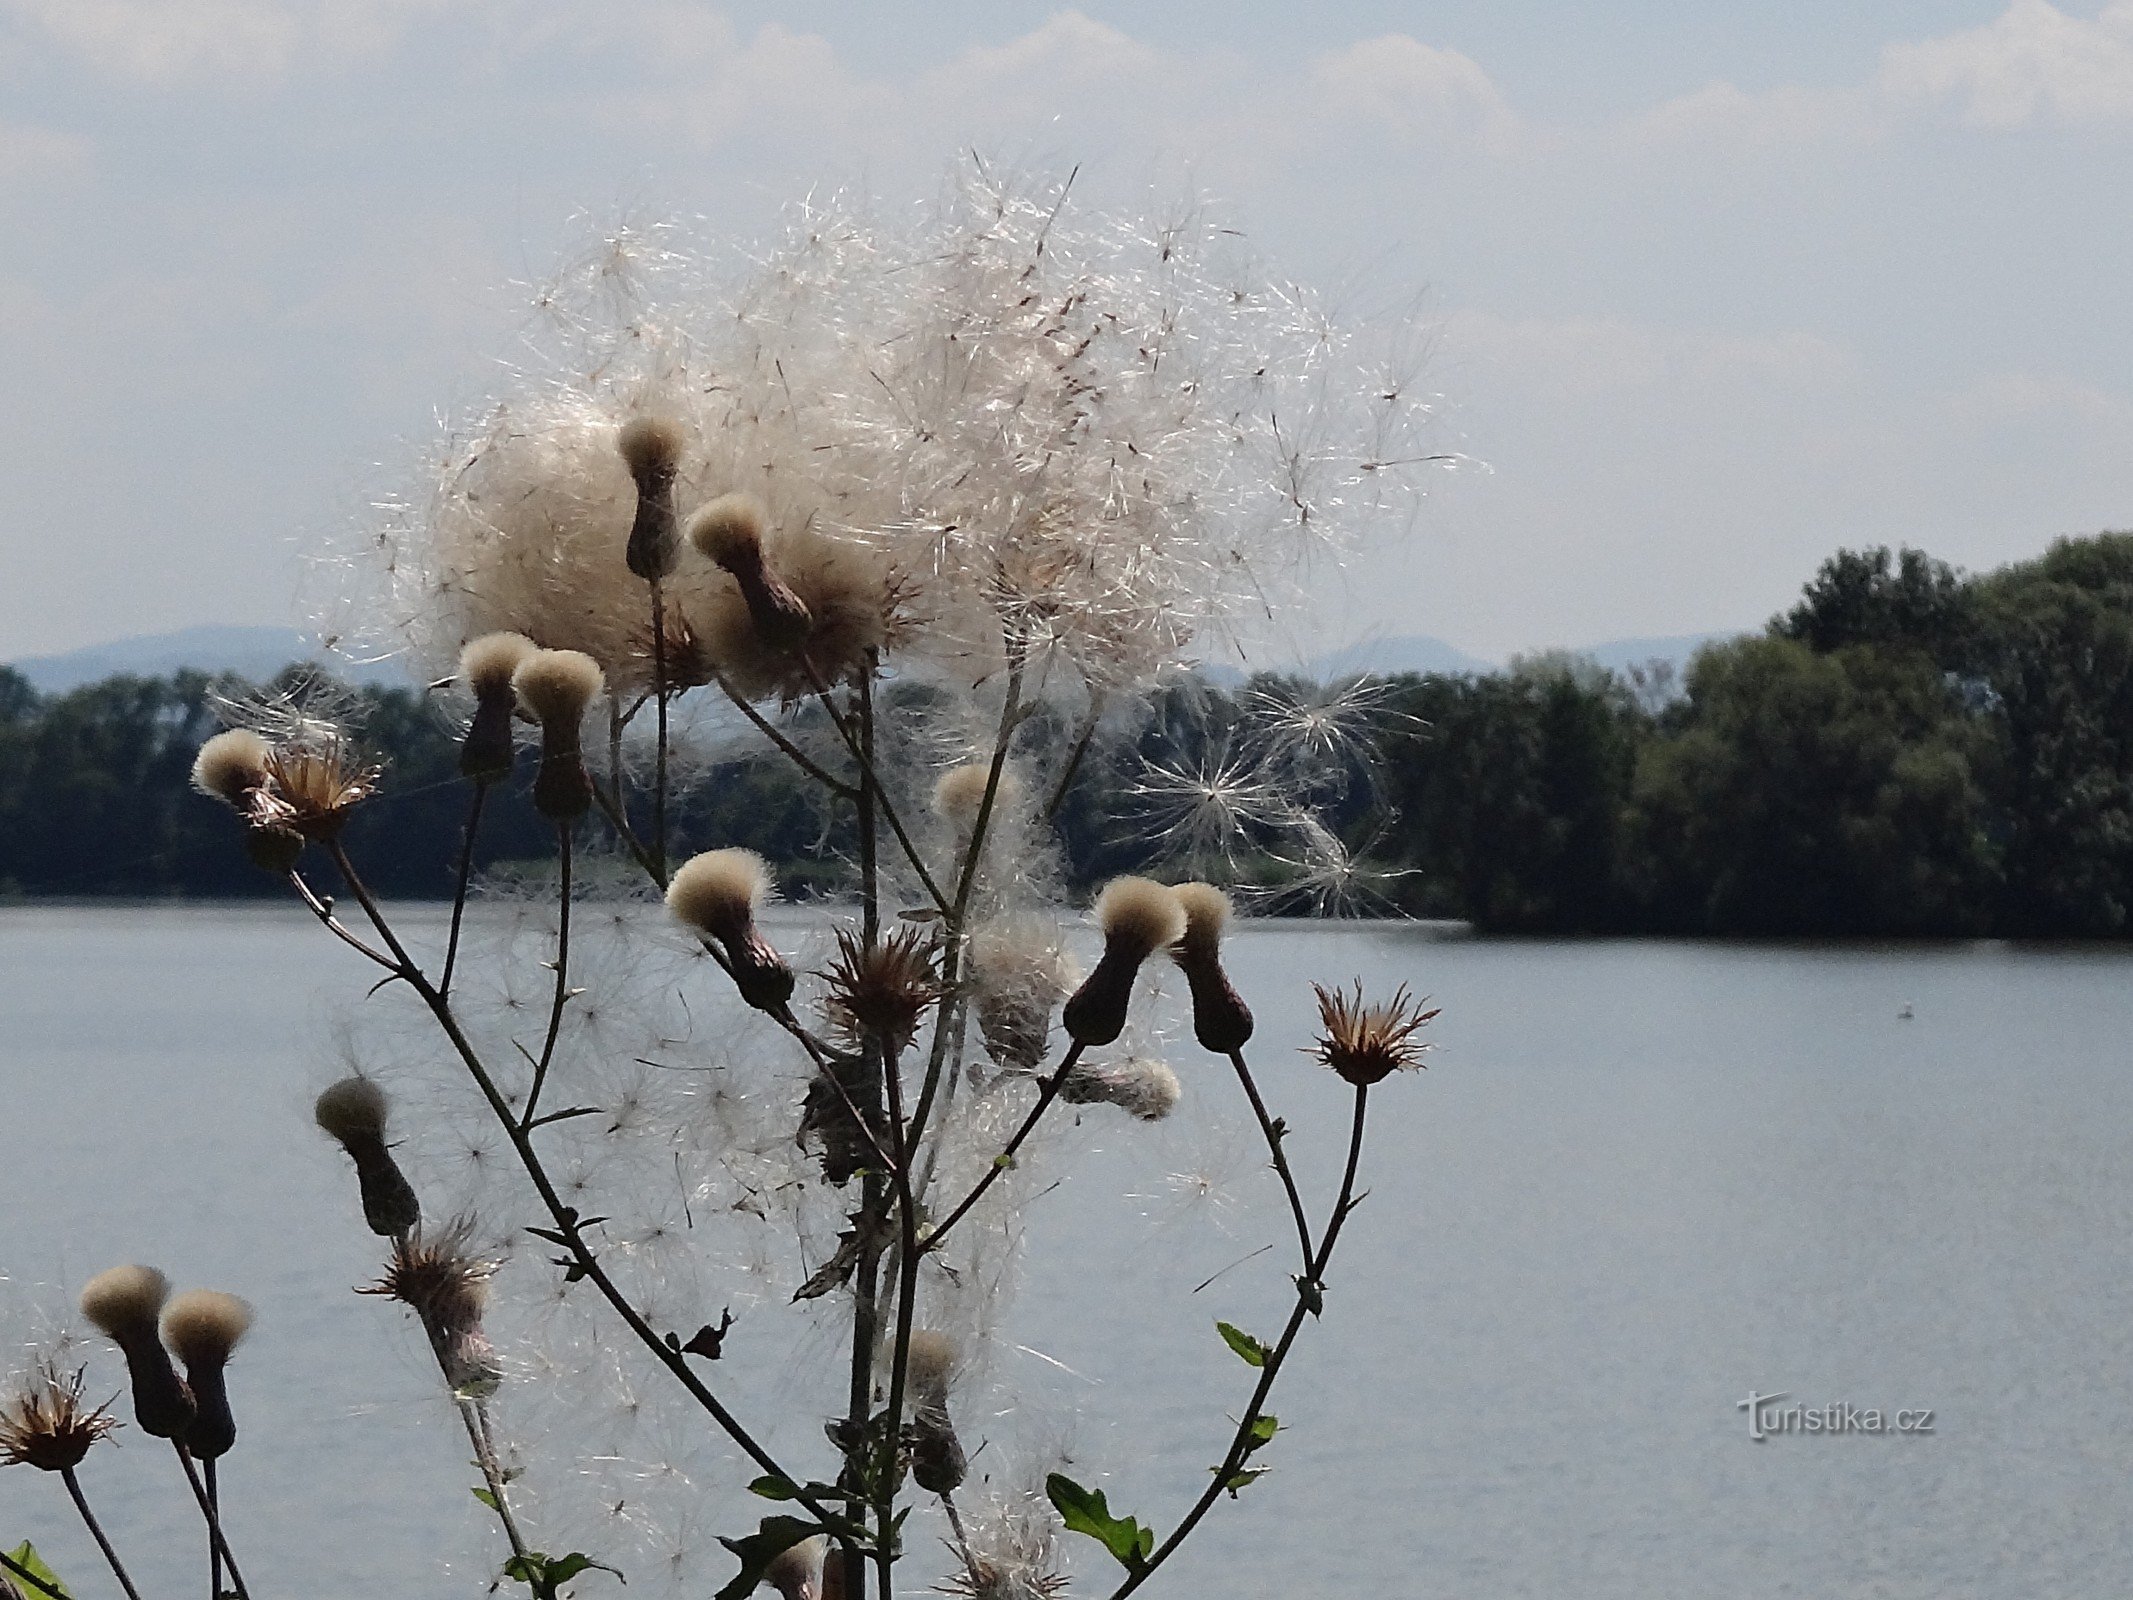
(1312, 1296)
(1085, 1511)
(1262, 1433)
(1249, 1350)
(25, 1556)
(757, 1550)
(1242, 1476)
(542, 1573)
(488, 1498)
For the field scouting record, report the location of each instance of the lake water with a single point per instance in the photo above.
(1638, 1181)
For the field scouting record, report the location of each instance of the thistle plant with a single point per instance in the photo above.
(935, 514)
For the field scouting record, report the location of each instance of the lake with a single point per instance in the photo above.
(1639, 1181)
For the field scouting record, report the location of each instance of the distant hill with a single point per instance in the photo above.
(1617, 654)
(250, 652)
(1413, 652)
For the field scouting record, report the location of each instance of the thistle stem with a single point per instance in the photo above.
(659, 695)
(465, 876)
(214, 1550)
(562, 977)
(214, 1520)
(1307, 1299)
(96, 1531)
(491, 1470)
(799, 757)
(1006, 1158)
(1280, 1157)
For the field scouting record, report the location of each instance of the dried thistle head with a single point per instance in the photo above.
(1018, 976)
(717, 894)
(312, 785)
(1142, 1085)
(44, 1424)
(125, 1303)
(1367, 1043)
(444, 1280)
(202, 1327)
(1138, 917)
(1221, 1021)
(231, 765)
(881, 992)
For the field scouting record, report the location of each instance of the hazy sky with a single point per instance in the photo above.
(1711, 291)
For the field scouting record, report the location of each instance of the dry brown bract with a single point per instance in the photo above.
(881, 993)
(312, 786)
(1366, 1043)
(45, 1425)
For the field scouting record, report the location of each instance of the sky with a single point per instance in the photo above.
(1707, 292)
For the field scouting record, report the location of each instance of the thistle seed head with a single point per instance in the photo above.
(960, 791)
(1139, 917)
(1207, 913)
(125, 1302)
(719, 892)
(445, 1282)
(796, 1572)
(1018, 975)
(1368, 1043)
(201, 1327)
(729, 531)
(650, 447)
(43, 1423)
(881, 992)
(1147, 1088)
(487, 664)
(1221, 1021)
(231, 765)
(353, 1111)
(555, 687)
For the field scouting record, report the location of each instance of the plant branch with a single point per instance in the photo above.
(562, 979)
(96, 1531)
(1307, 1301)
(16, 1569)
(465, 876)
(1274, 1134)
(867, 773)
(214, 1520)
(1006, 1158)
(776, 736)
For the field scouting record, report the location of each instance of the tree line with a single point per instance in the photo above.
(1909, 750)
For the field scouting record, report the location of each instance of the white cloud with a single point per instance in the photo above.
(1413, 90)
(169, 42)
(2031, 63)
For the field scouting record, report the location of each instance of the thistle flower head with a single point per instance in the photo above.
(1141, 1085)
(1018, 976)
(717, 893)
(125, 1302)
(555, 687)
(231, 765)
(650, 447)
(1366, 1043)
(353, 1111)
(879, 992)
(729, 531)
(201, 1327)
(44, 1424)
(487, 664)
(1207, 912)
(933, 1361)
(444, 1280)
(1139, 916)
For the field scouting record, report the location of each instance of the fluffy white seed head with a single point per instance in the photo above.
(202, 1326)
(125, 1301)
(1140, 914)
(1142, 1085)
(230, 764)
(719, 890)
(353, 1109)
(556, 686)
(934, 1361)
(730, 530)
(649, 445)
(959, 791)
(486, 665)
(1206, 911)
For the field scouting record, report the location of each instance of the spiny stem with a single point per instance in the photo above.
(214, 1521)
(96, 1531)
(1279, 1155)
(459, 891)
(659, 694)
(562, 976)
(1006, 1158)
(491, 1470)
(1307, 1295)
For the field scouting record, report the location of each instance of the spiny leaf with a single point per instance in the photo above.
(1261, 1433)
(1085, 1511)
(25, 1556)
(1249, 1350)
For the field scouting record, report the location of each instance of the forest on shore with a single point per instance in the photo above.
(1909, 750)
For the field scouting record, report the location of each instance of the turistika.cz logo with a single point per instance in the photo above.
(1769, 1416)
